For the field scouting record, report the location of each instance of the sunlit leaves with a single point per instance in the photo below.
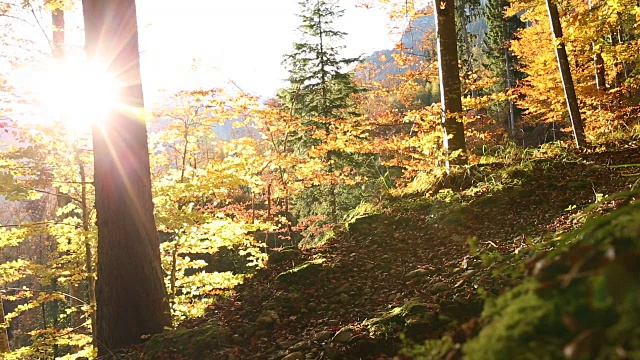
(607, 28)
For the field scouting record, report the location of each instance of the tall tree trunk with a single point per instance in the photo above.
(88, 253)
(451, 94)
(333, 200)
(618, 68)
(598, 61)
(75, 290)
(130, 292)
(601, 76)
(509, 85)
(4, 336)
(57, 20)
(565, 73)
(55, 310)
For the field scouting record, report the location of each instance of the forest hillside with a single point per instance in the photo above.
(434, 265)
(470, 193)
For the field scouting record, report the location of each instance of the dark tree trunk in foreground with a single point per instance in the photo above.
(130, 292)
(565, 73)
(451, 94)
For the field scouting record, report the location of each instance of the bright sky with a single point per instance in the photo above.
(239, 40)
(242, 40)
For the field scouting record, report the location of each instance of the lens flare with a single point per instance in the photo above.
(74, 92)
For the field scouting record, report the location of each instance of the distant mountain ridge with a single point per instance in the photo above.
(411, 42)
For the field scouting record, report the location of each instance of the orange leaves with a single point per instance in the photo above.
(5, 8)
(588, 30)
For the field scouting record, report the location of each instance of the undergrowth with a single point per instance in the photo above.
(580, 298)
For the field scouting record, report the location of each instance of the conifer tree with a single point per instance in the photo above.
(321, 84)
(500, 61)
(467, 11)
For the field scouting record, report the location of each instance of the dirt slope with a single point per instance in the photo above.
(407, 270)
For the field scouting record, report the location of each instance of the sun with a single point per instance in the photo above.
(75, 92)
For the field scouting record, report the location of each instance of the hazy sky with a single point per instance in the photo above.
(243, 40)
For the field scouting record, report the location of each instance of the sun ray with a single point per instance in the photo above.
(73, 91)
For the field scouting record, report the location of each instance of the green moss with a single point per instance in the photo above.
(583, 297)
(287, 254)
(411, 313)
(516, 319)
(431, 349)
(305, 272)
(193, 343)
(363, 224)
(490, 201)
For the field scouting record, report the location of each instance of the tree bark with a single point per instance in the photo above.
(130, 292)
(601, 82)
(451, 93)
(57, 20)
(4, 336)
(565, 73)
(88, 253)
(509, 83)
(598, 61)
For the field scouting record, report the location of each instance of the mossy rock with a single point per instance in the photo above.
(504, 338)
(194, 343)
(292, 302)
(581, 301)
(579, 185)
(520, 192)
(409, 316)
(364, 224)
(454, 218)
(286, 254)
(306, 272)
(490, 200)
(267, 319)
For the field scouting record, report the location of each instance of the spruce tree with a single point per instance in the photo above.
(500, 61)
(321, 86)
(467, 11)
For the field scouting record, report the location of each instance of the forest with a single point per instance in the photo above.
(471, 193)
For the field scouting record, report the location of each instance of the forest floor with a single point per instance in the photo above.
(408, 270)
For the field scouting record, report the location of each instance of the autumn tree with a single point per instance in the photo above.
(130, 292)
(195, 177)
(450, 91)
